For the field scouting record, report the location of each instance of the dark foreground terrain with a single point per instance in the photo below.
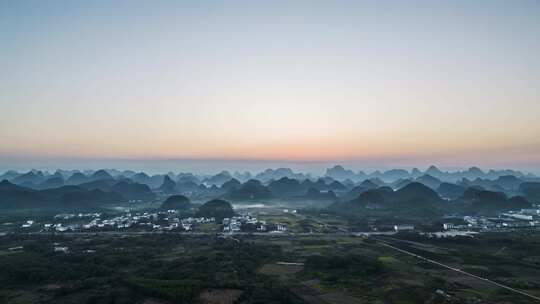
(175, 268)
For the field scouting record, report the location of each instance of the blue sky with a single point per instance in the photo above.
(366, 82)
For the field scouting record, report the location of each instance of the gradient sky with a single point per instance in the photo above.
(455, 83)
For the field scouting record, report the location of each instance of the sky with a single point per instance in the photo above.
(365, 83)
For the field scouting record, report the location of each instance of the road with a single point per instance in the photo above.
(134, 233)
(386, 244)
(196, 233)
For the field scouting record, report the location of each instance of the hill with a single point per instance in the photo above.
(176, 202)
(413, 199)
(77, 178)
(429, 181)
(369, 184)
(252, 189)
(231, 184)
(416, 192)
(65, 197)
(218, 179)
(101, 174)
(315, 194)
(52, 182)
(487, 202)
(30, 178)
(450, 191)
(531, 191)
(168, 185)
(286, 187)
(126, 188)
(218, 209)
(400, 183)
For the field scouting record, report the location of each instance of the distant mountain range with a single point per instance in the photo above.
(341, 186)
(418, 200)
(340, 173)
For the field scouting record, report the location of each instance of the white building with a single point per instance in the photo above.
(398, 228)
(61, 249)
(535, 212)
(281, 227)
(518, 216)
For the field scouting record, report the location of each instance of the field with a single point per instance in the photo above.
(172, 268)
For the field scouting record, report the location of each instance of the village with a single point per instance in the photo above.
(170, 220)
(507, 221)
(250, 222)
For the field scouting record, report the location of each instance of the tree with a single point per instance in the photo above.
(218, 209)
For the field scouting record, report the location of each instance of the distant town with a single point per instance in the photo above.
(247, 222)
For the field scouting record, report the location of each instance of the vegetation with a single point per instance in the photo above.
(143, 266)
(218, 209)
(342, 270)
(182, 269)
(176, 202)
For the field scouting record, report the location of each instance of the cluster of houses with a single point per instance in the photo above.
(513, 220)
(169, 220)
(27, 224)
(30, 224)
(159, 221)
(235, 224)
(69, 216)
(172, 220)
